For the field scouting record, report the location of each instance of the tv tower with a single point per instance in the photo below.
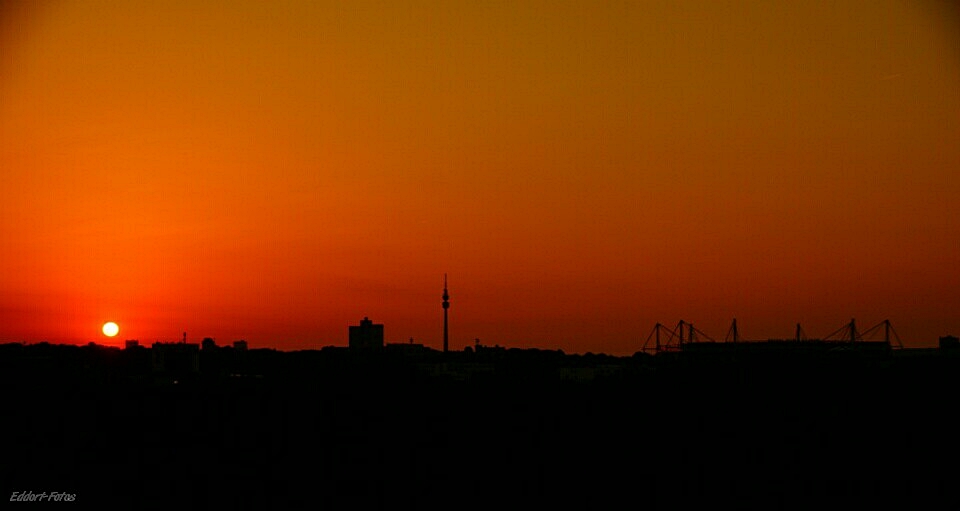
(446, 305)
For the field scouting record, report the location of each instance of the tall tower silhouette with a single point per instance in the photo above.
(446, 305)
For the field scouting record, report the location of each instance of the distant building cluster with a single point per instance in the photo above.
(179, 358)
(368, 336)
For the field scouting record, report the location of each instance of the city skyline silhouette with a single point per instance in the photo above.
(672, 337)
(753, 425)
(669, 254)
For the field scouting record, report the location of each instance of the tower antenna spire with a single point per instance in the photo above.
(446, 305)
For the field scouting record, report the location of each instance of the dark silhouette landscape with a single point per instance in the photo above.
(272, 171)
(769, 425)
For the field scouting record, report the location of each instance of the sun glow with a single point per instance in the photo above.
(110, 329)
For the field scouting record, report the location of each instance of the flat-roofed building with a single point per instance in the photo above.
(366, 336)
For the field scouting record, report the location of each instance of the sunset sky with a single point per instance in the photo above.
(276, 171)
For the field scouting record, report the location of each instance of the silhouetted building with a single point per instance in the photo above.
(949, 342)
(176, 358)
(366, 336)
(208, 344)
(131, 344)
(407, 349)
(240, 345)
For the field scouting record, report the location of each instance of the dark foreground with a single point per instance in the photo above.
(354, 433)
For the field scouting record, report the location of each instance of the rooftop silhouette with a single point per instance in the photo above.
(407, 426)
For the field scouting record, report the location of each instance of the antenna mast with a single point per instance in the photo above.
(446, 305)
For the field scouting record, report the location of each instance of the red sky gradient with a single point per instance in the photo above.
(275, 171)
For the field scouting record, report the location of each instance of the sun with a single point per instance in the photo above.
(110, 329)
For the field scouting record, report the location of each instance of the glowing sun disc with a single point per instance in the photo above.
(110, 329)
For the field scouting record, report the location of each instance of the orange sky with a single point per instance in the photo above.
(275, 171)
